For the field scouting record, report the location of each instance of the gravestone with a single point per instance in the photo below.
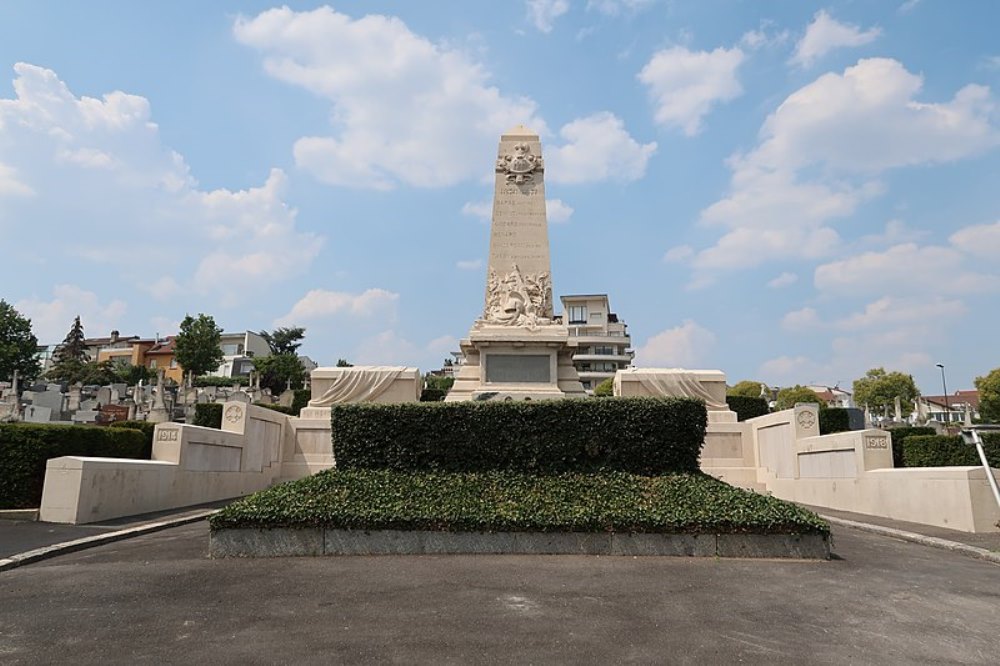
(516, 350)
(53, 400)
(35, 414)
(85, 416)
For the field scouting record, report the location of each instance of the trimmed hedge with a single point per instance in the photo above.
(145, 427)
(208, 415)
(432, 394)
(508, 501)
(636, 435)
(25, 448)
(948, 451)
(833, 419)
(746, 407)
(300, 400)
(899, 437)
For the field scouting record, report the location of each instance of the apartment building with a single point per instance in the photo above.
(603, 345)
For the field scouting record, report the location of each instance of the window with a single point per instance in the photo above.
(578, 314)
(152, 364)
(173, 363)
(604, 351)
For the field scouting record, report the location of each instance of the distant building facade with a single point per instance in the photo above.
(603, 345)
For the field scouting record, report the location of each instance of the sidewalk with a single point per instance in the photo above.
(21, 536)
(989, 541)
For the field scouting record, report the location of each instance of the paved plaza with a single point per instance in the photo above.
(159, 599)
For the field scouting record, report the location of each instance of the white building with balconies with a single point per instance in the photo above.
(602, 343)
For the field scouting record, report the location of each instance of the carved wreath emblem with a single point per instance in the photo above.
(234, 413)
(806, 419)
(520, 164)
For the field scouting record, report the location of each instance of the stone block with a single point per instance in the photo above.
(248, 542)
(797, 546)
(677, 545)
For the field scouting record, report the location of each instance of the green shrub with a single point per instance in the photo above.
(277, 408)
(208, 414)
(145, 427)
(514, 502)
(301, 399)
(25, 448)
(747, 408)
(213, 380)
(605, 389)
(430, 394)
(833, 419)
(636, 435)
(948, 451)
(899, 437)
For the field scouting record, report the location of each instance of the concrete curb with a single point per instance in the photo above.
(289, 542)
(19, 514)
(933, 542)
(65, 547)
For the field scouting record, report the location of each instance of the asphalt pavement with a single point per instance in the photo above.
(158, 599)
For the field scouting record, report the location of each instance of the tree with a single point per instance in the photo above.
(989, 395)
(284, 340)
(18, 345)
(277, 370)
(197, 346)
(343, 363)
(605, 389)
(789, 397)
(879, 389)
(747, 388)
(70, 360)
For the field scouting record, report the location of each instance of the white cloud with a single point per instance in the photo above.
(683, 346)
(542, 13)
(783, 280)
(162, 289)
(801, 320)
(980, 239)
(481, 209)
(10, 186)
(469, 264)
(825, 34)
(924, 312)
(51, 320)
(389, 347)
(557, 211)
(763, 37)
(678, 254)
(618, 7)
(907, 7)
(322, 303)
(841, 131)
(597, 148)
(941, 270)
(686, 84)
(404, 108)
(101, 162)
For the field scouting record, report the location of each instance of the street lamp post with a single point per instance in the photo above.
(947, 403)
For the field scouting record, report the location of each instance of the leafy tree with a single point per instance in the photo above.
(342, 363)
(747, 388)
(989, 395)
(605, 389)
(71, 361)
(284, 340)
(879, 389)
(197, 346)
(789, 397)
(17, 345)
(131, 374)
(277, 370)
(438, 382)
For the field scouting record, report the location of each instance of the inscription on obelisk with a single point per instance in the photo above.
(518, 278)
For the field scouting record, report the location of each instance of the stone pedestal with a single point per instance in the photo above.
(504, 363)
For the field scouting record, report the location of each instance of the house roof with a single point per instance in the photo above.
(165, 346)
(958, 398)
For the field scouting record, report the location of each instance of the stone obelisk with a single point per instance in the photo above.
(516, 350)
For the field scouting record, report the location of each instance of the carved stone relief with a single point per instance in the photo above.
(517, 299)
(519, 165)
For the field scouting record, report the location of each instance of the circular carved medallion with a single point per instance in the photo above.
(806, 419)
(234, 413)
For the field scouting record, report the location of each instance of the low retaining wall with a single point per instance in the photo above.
(317, 541)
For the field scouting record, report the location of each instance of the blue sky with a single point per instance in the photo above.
(788, 191)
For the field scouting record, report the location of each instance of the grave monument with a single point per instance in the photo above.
(517, 350)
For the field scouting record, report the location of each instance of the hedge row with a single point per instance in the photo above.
(508, 501)
(833, 419)
(637, 435)
(946, 451)
(747, 407)
(208, 414)
(899, 437)
(25, 448)
(145, 427)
